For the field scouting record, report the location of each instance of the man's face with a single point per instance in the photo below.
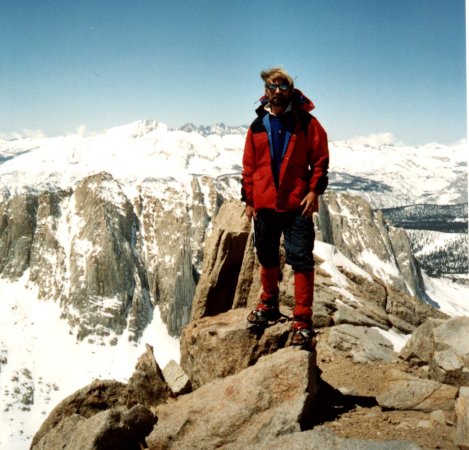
(277, 94)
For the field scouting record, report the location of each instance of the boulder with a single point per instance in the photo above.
(60, 435)
(443, 345)
(407, 392)
(214, 347)
(223, 257)
(420, 347)
(176, 379)
(324, 300)
(462, 415)
(117, 429)
(249, 283)
(323, 438)
(147, 384)
(361, 344)
(145, 387)
(252, 407)
(438, 416)
(86, 402)
(367, 315)
(450, 360)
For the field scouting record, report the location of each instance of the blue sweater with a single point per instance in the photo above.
(278, 141)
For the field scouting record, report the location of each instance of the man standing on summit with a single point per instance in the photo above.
(285, 165)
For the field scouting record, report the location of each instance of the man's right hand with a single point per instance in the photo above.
(250, 212)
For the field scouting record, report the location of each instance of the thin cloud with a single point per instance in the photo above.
(25, 133)
(80, 131)
(374, 140)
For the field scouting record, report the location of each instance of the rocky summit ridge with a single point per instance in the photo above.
(237, 389)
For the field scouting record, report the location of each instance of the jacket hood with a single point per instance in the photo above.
(298, 99)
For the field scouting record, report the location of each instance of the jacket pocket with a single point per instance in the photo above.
(263, 183)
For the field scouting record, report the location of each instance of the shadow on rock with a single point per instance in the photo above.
(330, 404)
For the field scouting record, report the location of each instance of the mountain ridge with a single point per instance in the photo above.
(400, 172)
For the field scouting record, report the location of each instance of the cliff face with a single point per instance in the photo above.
(107, 258)
(362, 235)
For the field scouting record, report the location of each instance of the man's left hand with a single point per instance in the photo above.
(310, 203)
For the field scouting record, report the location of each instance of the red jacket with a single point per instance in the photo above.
(304, 166)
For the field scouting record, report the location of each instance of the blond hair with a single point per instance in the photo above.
(276, 72)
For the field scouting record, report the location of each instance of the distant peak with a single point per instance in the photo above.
(219, 129)
(136, 129)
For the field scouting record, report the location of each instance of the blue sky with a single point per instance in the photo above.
(370, 66)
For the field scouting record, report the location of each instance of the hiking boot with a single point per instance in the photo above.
(302, 337)
(263, 314)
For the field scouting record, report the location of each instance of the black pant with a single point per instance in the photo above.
(298, 235)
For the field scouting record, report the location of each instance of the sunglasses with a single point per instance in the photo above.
(273, 87)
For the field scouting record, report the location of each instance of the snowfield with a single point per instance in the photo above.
(41, 362)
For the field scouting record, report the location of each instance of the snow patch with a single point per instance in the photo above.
(382, 269)
(397, 339)
(452, 298)
(333, 259)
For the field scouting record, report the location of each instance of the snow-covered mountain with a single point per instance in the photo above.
(388, 175)
(133, 154)
(397, 175)
(108, 231)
